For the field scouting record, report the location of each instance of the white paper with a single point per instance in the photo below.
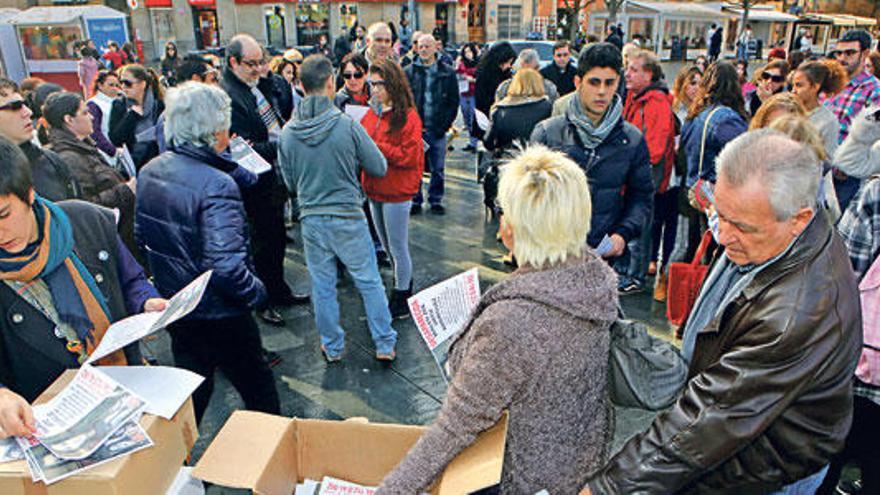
(10, 451)
(244, 155)
(356, 112)
(442, 310)
(307, 487)
(334, 486)
(185, 484)
(463, 86)
(128, 439)
(605, 246)
(136, 327)
(163, 388)
(76, 422)
(482, 120)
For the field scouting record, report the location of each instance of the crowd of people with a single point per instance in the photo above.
(601, 175)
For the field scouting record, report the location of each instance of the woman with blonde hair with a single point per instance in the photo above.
(536, 345)
(778, 105)
(514, 117)
(685, 89)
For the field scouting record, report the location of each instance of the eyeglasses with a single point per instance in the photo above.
(773, 77)
(126, 83)
(352, 75)
(13, 106)
(253, 64)
(847, 53)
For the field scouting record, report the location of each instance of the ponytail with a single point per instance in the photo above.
(148, 75)
(828, 74)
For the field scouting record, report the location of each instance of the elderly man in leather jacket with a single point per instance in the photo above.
(773, 342)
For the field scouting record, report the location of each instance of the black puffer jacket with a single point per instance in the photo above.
(618, 171)
(444, 92)
(769, 400)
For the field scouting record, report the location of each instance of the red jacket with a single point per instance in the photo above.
(651, 112)
(117, 59)
(405, 155)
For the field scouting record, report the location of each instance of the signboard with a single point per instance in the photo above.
(104, 30)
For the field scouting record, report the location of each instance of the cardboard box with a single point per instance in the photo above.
(270, 454)
(147, 472)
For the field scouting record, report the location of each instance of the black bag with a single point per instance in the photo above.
(644, 372)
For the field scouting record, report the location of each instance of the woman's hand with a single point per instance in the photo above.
(16, 415)
(155, 304)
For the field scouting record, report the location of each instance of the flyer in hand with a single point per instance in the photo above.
(244, 155)
(442, 310)
(136, 327)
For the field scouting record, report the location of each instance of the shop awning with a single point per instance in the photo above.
(41, 16)
(203, 3)
(7, 14)
(688, 10)
(840, 19)
(763, 15)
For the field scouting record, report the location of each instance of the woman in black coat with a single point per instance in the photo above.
(493, 69)
(514, 117)
(134, 115)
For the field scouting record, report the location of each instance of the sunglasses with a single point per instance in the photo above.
(126, 83)
(13, 106)
(352, 75)
(377, 83)
(773, 77)
(848, 53)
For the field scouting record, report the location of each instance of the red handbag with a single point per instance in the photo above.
(685, 280)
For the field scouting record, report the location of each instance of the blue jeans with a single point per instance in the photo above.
(468, 104)
(804, 486)
(435, 160)
(326, 238)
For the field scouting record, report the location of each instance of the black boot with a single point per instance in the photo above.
(397, 303)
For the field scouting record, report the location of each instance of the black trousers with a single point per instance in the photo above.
(233, 345)
(862, 446)
(264, 204)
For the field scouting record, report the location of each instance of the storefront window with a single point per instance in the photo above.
(207, 29)
(163, 28)
(275, 26)
(50, 43)
(312, 20)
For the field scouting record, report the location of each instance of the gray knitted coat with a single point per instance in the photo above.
(537, 346)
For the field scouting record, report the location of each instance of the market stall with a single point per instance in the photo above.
(48, 34)
(828, 28)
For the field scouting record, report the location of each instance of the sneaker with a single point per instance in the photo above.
(631, 287)
(386, 356)
(438, 209)
(328, 357)
(415, 209)
(272, 317)
(847, 487)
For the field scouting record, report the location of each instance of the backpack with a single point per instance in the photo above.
(868, 368)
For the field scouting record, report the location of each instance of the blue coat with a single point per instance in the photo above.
(725, 125)
(618, 172)
(190, 218)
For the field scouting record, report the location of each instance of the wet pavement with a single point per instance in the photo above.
(410, 390)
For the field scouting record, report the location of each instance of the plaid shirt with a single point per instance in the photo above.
(862, 90)
(860, 227)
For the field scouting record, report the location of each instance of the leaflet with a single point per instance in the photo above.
(10, 451)
(442, 310)
(76, 422)
(244, 155)
(136, 327)
(356, 112)
(333, 486)
(125, 163)
(163, 388)
(48, 468)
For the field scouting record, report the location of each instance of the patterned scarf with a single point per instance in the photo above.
(76, 297)
(267, 112)
(591, 135)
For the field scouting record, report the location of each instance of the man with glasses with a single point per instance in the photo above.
(258, 122)
(435, 89)
(862, 90)
(51, 176)
(562, 71)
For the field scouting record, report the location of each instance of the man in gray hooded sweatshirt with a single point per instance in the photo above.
(321, 154)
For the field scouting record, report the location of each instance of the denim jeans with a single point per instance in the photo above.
(804, 486)
(435, 161)
(468, 104)
(326, 238)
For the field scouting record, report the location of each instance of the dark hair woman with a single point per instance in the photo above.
(826, 77)
(771, 80)
(105, 89)
(354, 91)
(393, 123)
(466, 68)
(134, 115)
(170, 62)
(70, 130)
(494, 67)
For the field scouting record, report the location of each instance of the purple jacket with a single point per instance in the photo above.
(102, 141)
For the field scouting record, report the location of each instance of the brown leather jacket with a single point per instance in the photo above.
(769, 399)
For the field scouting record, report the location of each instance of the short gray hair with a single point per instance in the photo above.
(530, 57)
(194, 112)
(789, 170)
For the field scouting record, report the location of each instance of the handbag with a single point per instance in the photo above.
(644, 371)
(685, 280)
(696, 198)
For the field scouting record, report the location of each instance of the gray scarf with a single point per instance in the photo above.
(591, 135)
